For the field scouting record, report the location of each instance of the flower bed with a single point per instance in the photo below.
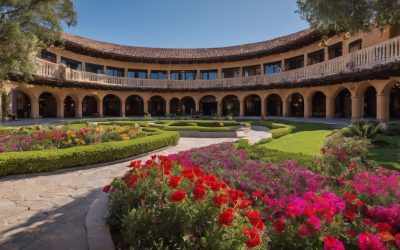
(63, 137)
(301, 209)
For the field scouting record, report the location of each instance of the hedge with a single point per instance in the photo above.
(53, 159)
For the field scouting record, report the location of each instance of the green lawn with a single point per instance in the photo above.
(305, 142)
(387, 156)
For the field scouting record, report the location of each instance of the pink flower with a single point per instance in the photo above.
(296, 207)
(367, 241)
(331, 243)
(304, 231)
(314, 223)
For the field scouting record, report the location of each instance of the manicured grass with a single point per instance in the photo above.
(388, 156)
(305, 142)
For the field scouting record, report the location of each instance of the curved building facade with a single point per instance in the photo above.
(294, 75)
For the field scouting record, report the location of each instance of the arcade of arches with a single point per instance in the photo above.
(373, 99)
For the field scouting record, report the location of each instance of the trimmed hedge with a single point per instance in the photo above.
(53, 159)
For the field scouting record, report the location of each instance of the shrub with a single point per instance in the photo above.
(364, 129)
(282, 131)
(52, 159)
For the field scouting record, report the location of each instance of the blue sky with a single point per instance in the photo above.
(185, 23)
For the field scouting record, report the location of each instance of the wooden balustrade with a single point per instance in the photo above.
(370, 57)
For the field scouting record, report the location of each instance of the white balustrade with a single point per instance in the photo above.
(382, 53)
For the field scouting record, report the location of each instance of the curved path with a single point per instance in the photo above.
(48, 210)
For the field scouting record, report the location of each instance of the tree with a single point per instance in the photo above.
(26, 27)
(349, 15)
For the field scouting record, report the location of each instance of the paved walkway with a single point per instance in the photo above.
(47, 211)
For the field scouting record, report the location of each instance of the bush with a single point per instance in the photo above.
(364, 129)
(53, 159)
(279, 132)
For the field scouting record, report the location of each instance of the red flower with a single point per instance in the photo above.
(383, 227)
(132, 179)
(199, 192)
(385, 236)
(351, 166)
(244, 204)
(214, 186)
(314, 223)
(254, 238)
(106, 188)
(367, 222)
(188, 173)
(220, 200)
(226, 217)
(349, 215)
(136, 164)
(350, 233)
(253, 216)
(258, 193)
(178, 196)
(331, 243)
(279, 225)
(397, 237)
(350, 197)
(174, 181)
(310, 211)
(266, 198)
(304, 231)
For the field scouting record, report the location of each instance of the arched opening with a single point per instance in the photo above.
(111, 105)
(47, 105)
(231, 105)
(174, 106)
(188, 105)
(319, 105)
(69, 107)
(394, 108)
(89, 106)
(274, 105)
(208, 105)
(23, 105)
(252, 105)
(370, 102)
(134, 106)
(157, 106)
(296, 105)
(343, 104)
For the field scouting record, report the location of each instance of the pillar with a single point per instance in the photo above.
(219, 108)
(78, 108)
(285, 107)
(100, 107)
(326, 54)
(34, 107)
(382, 107)
(241, 104)
(220, 74)
(356, 108)
(305, 60)
(262, 69)
(197, 104)
(60, 107)
(146, 106)
(122, 113)
(263, 107)
(167, 106)
(330, 107)
(308, 107)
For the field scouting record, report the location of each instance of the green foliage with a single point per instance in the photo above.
(349, 15)
(392, 129)
(364, 129)
(52, 159)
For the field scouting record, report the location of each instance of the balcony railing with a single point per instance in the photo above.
(379, 54)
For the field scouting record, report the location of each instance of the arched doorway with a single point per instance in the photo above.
(111, 105)
(69, 107)
(343, 104)
(47, 105)
(252, 105)
(174, 106)
(296, 105)
(394, 103)
(157, 106)
(23, 105)
(319, 105)
(230, 105)
(89, 106)
(188, 105)
(370, 102)
(134, 106)
(208, 105)
(274, 105)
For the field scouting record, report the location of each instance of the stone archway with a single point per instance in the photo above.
(296, 105)
(208, 105)
(274, 105)
(188, 105)
(231, 105)
(134, 106)
(111, 105)
(174, 106)
(47, 105)
(252, 105)
(394, 102)
(89, 106)
(157, 106)
(23, 105)
(318, 104)
(69, 107)
(343, 104)
(370, 102)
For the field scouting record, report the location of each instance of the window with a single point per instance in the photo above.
(231, 73)
(72, 64)
(135, 73)
(159, 75)
(335, 50)
(356, 45)
(316, 57)
(94, 68)
(251, 70)
(294, 63)
(209, 74)
(48, 56)
(183, 75)
(271, 68)
(115, 72)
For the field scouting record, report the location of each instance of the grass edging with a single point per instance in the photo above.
(53, 159)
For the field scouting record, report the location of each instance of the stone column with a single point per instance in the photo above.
(60, 107)
(167, 107)
(34, 108)
(285, 107)
(356, 108)
(307, 108)
(78, 108)
(219, 108)
(197, 104)
(122, 112)
(326, 54)
(100, 107)
(241, 103)
(382, 107)
(263, 108)
(146, 106)
(330, 107)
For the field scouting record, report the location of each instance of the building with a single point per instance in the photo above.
(301, 74)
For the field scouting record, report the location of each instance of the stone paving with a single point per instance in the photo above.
(48, 210)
